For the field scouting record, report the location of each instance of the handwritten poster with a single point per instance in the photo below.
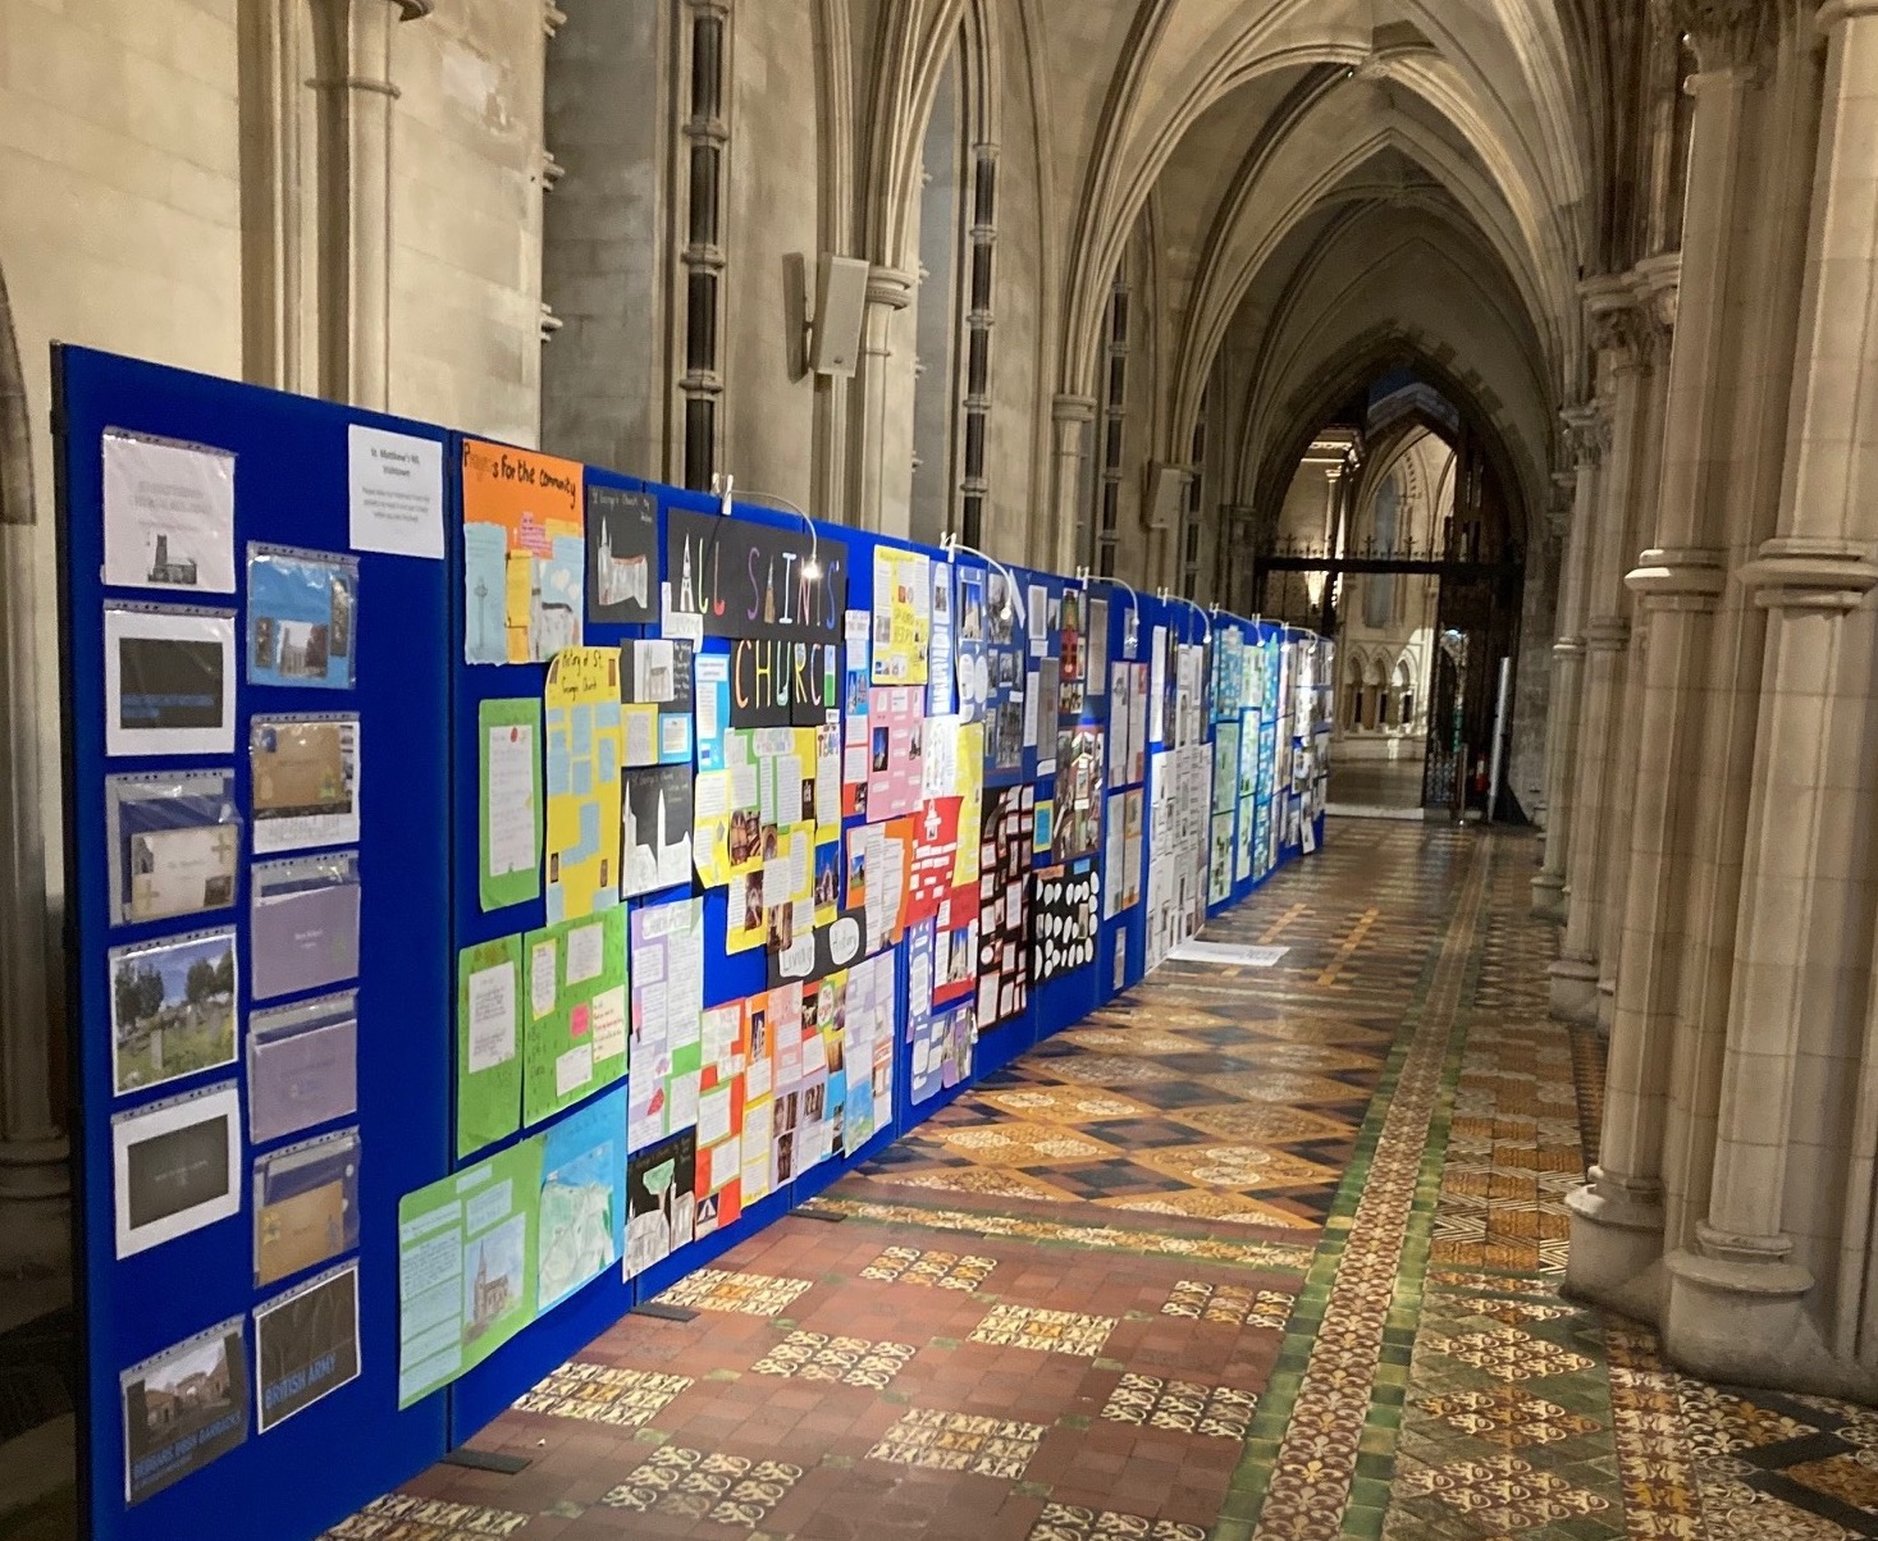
(667, 1020)
(583, 829)
(508, 743)
(573, 1011)
(744, 579)
(524, 554)
(896, 752)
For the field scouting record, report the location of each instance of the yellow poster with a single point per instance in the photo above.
(583, 734)
(524, 554)
(902, 616)
(969, 782)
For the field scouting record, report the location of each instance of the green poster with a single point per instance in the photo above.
(574, 1008)
(508, 801)
(466, 1268)
(488, 1044)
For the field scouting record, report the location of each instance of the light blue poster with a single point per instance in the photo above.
(302, 617)
(582, 1216)
(485, 594)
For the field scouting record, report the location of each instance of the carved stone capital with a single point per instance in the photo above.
(1613, 319)
(889, 287)
(1073, 409)
(1589, 425)
(1725, 34)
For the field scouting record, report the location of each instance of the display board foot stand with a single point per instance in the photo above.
(664, 1312)
(486, 1460)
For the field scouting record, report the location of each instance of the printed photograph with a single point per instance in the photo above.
(182, 1410)
(172, 1010)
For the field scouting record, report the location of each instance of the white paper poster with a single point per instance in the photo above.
(395, 483)
(169, 515)
(176, 1167)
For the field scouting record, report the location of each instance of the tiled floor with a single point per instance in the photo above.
(1254, 1253)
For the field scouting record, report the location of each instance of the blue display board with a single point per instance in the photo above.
(291, 488)
(401, 625)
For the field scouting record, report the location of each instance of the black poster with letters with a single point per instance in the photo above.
(782, 684)
(170, 682)
(307, 1344)
(622, 556)
(749, 580)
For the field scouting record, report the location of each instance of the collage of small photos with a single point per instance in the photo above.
(229, 712)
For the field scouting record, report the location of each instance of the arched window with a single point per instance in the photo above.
(1404, 694)
(1376, 693)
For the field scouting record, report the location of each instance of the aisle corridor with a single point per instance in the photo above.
(1252, 1253)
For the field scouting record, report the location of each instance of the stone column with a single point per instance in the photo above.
(1590, 433)
(889, 291)
(1742, 1303)
(1054, 546)
(1655, 287)
(353, 46)
(34, 1182)
(1574, 977)
(1618, 1217)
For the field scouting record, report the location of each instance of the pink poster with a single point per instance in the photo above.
(896, 717)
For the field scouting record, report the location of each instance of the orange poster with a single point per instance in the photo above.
(524, 554)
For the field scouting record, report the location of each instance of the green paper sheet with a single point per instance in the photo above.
(466, 1268)
(488, 1044)
(574, 1011)
(508, 801)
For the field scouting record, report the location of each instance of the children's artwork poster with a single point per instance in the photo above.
(867, 1051)
(508, 802)
(661, 1199)
(583, 755)
(302, 616)
(466, 1267)
(1043, 836)
(940, 684)
(1226, 768)
(1121, 854)
(973, 659)
(667, 1020)
(721, 1092)
(488, 1043)
(902, 616)
(1096, 660)
(1219, 860)
(655, 834)
(744, 579)
(755, 1140)
(1003, 892)
(935, 857)
(656, 693)
(574, 1022)
(896, 763)
(942, 1041)
(1078, 813)
(857, 666)
(1072, 655)
(622, 556)
(783, 683)
(879, 858)
(1064, 923)
(1157, 685)
(524, 554)
(184, 1409)
(581, 1207)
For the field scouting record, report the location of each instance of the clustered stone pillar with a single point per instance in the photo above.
(1759, 1295)
(889, 291)
(34, 1186)
(1589, 429)
(1055, 544)
(1574, 976)
(1618, 1217)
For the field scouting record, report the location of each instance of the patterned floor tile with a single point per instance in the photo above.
(751, 1294)
(1234, 1304)
(942, 1441)
(814, 1356)
(1069, 1522)
(1504, 1493)
(1218, 1412)
(627, 1399)
(401, 1517)
(700, 1485)
(945, 1270)
(1053, 1332)
(1508, 1416)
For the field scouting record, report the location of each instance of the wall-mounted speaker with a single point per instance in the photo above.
(840, 307)
(1166, 493)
